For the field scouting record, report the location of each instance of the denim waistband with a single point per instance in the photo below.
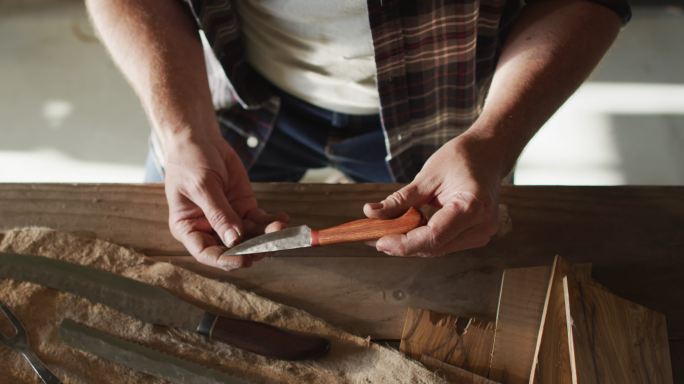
(335, 119)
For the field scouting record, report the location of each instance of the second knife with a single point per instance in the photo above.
(156, 305)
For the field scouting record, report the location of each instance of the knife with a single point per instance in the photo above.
(139, 357)
(158, 306)
(302, 236)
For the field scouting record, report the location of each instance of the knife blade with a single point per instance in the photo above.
(158, 306)
(139, 357)
(302, 236)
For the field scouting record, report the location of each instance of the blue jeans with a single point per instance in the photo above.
(306, 137)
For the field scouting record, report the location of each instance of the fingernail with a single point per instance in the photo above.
(230, 237)
(375, 205)
(230, 265)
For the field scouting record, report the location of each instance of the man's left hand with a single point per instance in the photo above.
(461, 180)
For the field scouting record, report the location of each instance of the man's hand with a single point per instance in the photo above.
(461, 180)
(156, 45)
(211, 203)
(551, 48)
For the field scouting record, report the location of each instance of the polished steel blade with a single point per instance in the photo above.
(140, 357)
(288, 238)
(145, 302)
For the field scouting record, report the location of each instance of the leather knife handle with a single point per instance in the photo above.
(263, 339)
(367, 229)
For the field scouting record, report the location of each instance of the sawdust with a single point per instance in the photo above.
(351, 360)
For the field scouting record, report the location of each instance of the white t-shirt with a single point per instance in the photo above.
(318, 51)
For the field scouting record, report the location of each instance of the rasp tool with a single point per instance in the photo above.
(139, 357)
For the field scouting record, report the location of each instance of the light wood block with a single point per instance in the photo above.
(521, 303)
(519, 315)
(551, 364)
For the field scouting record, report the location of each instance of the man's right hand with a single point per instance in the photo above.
(156, 45)
(211, 203)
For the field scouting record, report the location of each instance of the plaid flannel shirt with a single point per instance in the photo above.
(434, 59)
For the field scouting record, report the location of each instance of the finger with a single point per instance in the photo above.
(201, 223)
(250, 228)
(253, 229)
(271, 227)
(474, 237)
(223, 219)
(446, 224)
(259, 222)
(206, 249)
(275, 226)
(395, 204)
(409, 244)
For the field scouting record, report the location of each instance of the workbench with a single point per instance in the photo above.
(633, 236)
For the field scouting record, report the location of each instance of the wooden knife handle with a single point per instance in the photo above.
(367, 229)
(263, 339)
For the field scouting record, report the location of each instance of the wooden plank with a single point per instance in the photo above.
(137, 215)
(433, 334)
(551, 364)
(632, 235)
(453, 373)
(519, 314)
(463, 342)
(613, 340)
(521, 302)
(578, 222)
(478, 339)
(368, 296)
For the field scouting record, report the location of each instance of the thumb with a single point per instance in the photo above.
(395, 204)
(220, 215)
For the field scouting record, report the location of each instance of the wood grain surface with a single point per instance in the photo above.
(521, 302)
(433, 334)
(551, 363)
(518, 319)
(613, 340)
(634, 237)
(368, 296)
(367, 229)
(460, 341)
(478, 340)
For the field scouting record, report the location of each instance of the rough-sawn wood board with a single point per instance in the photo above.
(633, 236)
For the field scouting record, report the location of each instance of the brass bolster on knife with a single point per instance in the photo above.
(206, 326)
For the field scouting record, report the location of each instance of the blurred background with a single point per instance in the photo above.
(69, 116)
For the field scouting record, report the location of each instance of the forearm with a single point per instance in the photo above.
(551, 49)
(156, 45)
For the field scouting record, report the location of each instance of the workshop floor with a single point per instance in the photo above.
(69, 116)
